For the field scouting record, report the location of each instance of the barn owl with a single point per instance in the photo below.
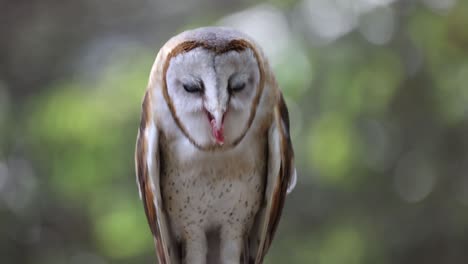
(214, 159)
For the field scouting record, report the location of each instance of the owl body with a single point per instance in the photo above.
(216, 192)
(214, 159)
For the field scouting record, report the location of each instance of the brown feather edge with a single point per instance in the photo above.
(287, 158)
(234, 45)
(143, 178)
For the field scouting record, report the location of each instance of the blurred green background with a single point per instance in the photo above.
(378, 97)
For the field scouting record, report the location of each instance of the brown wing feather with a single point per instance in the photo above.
(279, 186)
(285, 172)
(143, 180)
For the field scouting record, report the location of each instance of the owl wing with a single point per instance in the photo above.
(281, 179)
(147, 163)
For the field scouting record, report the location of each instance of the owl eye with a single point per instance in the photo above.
(236, 87)
(195, 87)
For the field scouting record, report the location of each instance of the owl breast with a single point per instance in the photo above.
(203, 191)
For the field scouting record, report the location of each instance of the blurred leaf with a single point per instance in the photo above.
(294, 72)
(302, 248)
(441, 38)
(4, 116)
(361, 85)
(120, 228)
(90, 131)
(451, 92)
(332, 146)
(372, 88)
(343, 245)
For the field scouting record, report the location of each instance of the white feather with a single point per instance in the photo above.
(293, 181)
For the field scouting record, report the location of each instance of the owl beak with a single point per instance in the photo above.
(217, 125)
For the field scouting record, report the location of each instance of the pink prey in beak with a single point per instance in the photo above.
(217, 125)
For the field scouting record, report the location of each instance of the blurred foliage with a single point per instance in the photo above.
(379, 125)
(85, 129)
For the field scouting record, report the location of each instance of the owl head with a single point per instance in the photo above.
(212, 80)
